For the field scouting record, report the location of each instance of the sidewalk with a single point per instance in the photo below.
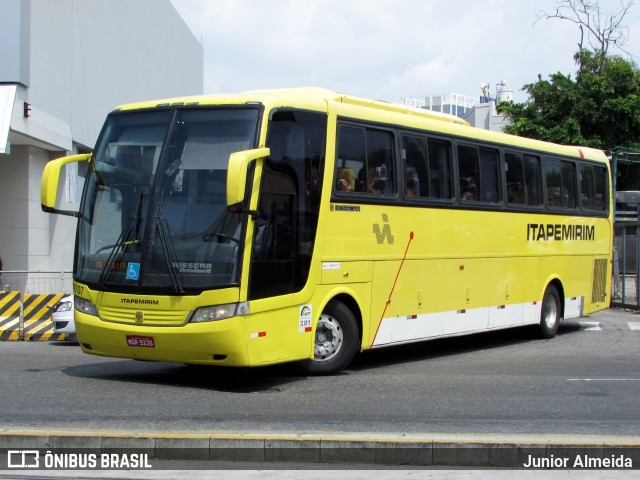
(321, 450)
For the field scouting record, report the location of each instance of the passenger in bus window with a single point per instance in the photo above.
(467, 190)
(515, 193)
(377, 179)
(367, 182)
(412, 187)
(346, 180)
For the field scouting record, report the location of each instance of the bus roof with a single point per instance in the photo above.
(321, 99)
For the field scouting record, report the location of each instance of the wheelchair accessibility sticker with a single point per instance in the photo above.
(133, 271)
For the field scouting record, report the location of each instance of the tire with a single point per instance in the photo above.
(336, 342)
(551, 313)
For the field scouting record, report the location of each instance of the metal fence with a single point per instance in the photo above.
(626, 265)
(44, 282)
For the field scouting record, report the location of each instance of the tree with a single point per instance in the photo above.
(596, 109)
(602, 31)
(600, 107)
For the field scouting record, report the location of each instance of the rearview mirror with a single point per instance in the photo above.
(50, 179)
(237, 175)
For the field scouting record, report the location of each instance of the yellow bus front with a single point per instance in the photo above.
(194, 241)
(163, 328)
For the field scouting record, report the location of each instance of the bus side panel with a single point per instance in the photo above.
(574, 274)
(508, 277)
(469, 283)
(429, 298)
(278, 334)
(531, 295)
(286, 334)
(419, 290)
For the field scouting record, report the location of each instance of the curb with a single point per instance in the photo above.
(499, 451)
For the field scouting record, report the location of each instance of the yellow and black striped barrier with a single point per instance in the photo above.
(28, 317)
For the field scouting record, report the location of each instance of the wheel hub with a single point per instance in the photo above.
(329, 338)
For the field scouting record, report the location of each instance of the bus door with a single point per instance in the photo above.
(285, 224)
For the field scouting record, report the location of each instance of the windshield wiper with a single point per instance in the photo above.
(122, 242)
(168, 249)
(118, 248)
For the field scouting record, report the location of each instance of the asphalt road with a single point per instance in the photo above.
(586, 381)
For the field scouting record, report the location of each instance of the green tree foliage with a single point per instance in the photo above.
(599, 107)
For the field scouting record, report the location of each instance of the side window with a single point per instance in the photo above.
(569, 184)
(379, 162)
(533, 180)
(554, 183)
(516, 191)
(523, 179)
(365, 161)
(561, 183)
(587, 187)
(440, 178)
(600, 178)
(427, 168)
(479, 174)
(593, 190)
(469, 173)
(351, 157)
(489, 175)
(415, 164)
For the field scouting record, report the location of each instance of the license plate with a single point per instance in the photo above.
(138, 341)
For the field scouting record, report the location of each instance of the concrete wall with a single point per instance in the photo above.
(85, 58)
(88, 56)
(485, 115)
(14, 33)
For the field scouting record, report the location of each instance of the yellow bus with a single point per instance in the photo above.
(306, 225)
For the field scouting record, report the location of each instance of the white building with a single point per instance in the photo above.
(485, 115)
(479, 112)
(64, 65)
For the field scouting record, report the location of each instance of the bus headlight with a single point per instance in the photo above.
(219, 312)
(85, 306)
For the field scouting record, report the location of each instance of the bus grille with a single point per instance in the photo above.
(148, 317)
(599, 291)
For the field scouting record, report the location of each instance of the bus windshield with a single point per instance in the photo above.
(154, 213)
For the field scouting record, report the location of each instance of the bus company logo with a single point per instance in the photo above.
(384, 232)
(137, 301)
(559, 232)
(139, 316)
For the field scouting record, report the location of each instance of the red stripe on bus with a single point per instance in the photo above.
(393, 287)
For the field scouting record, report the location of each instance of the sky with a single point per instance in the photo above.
(386, 49)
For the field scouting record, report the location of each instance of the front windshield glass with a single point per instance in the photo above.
(154, 214)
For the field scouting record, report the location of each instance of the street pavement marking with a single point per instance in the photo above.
(634, 325)
(603, 379)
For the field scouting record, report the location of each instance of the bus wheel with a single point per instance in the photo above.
(336, 340)
(551, 313)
